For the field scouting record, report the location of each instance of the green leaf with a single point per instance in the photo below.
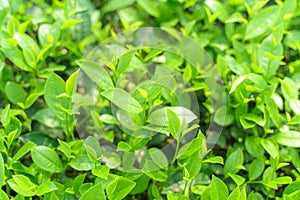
(23, 182)
(101, 171)
(176, 196)
(239, 180)
(2, 170)
(237, 82)
(71, 83)
(117, 4)
(22, 151)
(192, 166)
(3, 195)
(15, 186)
(119, 188)
(16, 56)
(54, 87)
(215, 160)
(233, 161)
(159, 117)
(69, 23)
(93, 148)
(15, 93)
(256, 168)
(109, 119)
(27, 42)
(123, 100)
(46, 159)
(253, 146)
(269, 65)
(77, 183)
(258, 80)
(273, 111)
(261, 22)
(94, 193)
(235, 194)
(218, 189)
(82, 163)
(190, 148)
(270, 147)
(111, 159)
(293, 187)
(97, 73)
(236, 67)
(148, 6)
(283, 180)
(295, 106)
(158, 157)
(5, 117)
(155, 192)
(289, 138)
(174, 124)
(152, 170)
(45, 187)
(255, 196)
(65, 148)
(124, 62)
(46, 117)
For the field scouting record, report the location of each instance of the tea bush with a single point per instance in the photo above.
(55, 131)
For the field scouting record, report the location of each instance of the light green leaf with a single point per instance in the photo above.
(46, 159)
(123, 100)
(15, 93)
(215, 160)
(27, 42)
(16, 56)
(54, 87)
(93, 148)
(234, 160)
(45, 187)
(270, 147)
(19, 189)
(174, 124)
(218, 189)
(94, 193)
(273, 111)
(24, 182)
(237, 82)
(46, 117)
(119, 188)
(71, 83)
(289, 138)
(256, 168)
(22, 151)
(253, 146)
(116, 5)
(158, 157)
(82, 163)
(69, 23)
(283, 180)
(239, 180)
(101, 171)
(192, 166)
(295, 105)
(261, 22)
(97, 73)
(149, 7)
(268, 64)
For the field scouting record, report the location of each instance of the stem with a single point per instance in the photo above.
(176, 151)
(186, 190)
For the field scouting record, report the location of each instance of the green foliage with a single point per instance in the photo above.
(43, 45)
